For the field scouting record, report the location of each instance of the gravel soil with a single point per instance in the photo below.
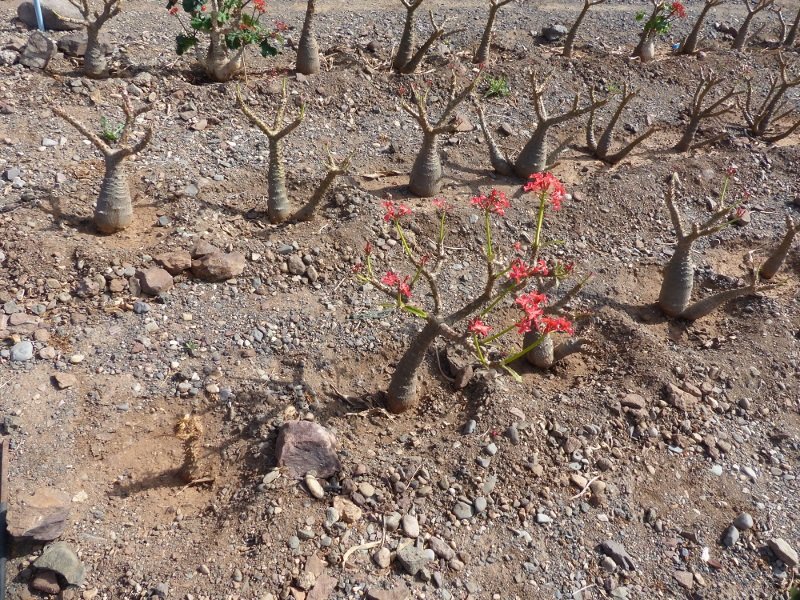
(679, 427)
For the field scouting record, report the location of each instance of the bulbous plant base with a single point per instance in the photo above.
(542, 355)
(220, 67)
(94, 61)
(402, 392)
(648, 51)
(114, 209)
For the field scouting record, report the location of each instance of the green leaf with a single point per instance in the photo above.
(418, 312)
(184, 42)
(233, 41)
(268, 49)
(191, 6)
(794, 593)
(517, 377)
(201, 22)
(639, 16)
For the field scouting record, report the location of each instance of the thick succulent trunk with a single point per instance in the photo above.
(741, 37)
(648, 50)
(277, 198)
(773, 264)
(307, 48)
(689, 45)
(402, 392)
(406, 48)
(533, 158)
(676, 287)
(792, 36)
(706, 306)
(499, 162)
(482, 54)
(94, 60)
(426, 173)
(219, 64)
(688, 135)
(114, 210)
(569, 43)
(542, 355)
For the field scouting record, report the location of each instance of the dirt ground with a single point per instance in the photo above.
(251, 353)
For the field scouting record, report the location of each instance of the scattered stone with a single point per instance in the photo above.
(684, 579)
(218, 266)
(175, 262)
(203, 248)
(480, 504)
(296, 265)
(730, 537)
(46, 582)
(323, 588)
(65, 380)
(617, 552)
(398, 592)
(553, 33)
(314, 487)
(491, 449)
(56, 14)
(392, 521)
(783, 551)
(410, 526)
(607, 564)
(462, 510)
(154, 281)
(22, 351)
(441, 548)
(38, 52)
(141, 308)
(305, 446)
(74, 44)
(743, 521)
(348, 511)
(634, 401)
(366, 489)
(382, 558)
(60, 558)
(413, 559)
(41, 518)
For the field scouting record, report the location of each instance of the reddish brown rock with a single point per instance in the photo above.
(202, 248)
(41, 517)
(46, 582)
(399, 592)
(305, 447)
(218, 266)
(323, 588)
(175, 262)
(154, 281)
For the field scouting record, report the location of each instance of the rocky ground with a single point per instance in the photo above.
(661, 463)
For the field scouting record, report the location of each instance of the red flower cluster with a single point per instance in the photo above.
(173, 10)
(478, 327)
(678, 9)
(260, 5)
(520, 270)
(394, 211)
(281, 26)
(393, 281)
(532, 304)
(496, 202)
(545, 183)
(442, 205)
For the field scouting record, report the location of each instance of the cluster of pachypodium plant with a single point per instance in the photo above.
(518, 294)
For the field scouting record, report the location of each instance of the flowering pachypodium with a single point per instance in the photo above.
(520, 284)
(661, 18)
(231, 25)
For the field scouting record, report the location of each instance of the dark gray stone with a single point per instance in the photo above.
(38, 52)
(60, 558)
(56, 15)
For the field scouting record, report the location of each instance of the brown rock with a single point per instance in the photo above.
(218, 266)
(46, 582)
(398, 592)
(22, 319)
(41, 518)
(202, 248)
(175, 262)
(348, 511)
(323, 588)
(633, 401)
(154, 280)
(304, 446)
(117, 285)
(65, 380)
(684, 579)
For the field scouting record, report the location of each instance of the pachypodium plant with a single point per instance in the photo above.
(659, 22)
(94, 59)
(678, 283)
(569, 43)
(307, 47)
(407, 60)
(763, 119)
(601, 148)
(706, 104)
(789, 32)
(481, 55)
(775, 261)
(689, 45)
(231, 26)
(279, 208)
(426, 174)
(536, 156)
(753, 8)
(513, 298)
(114, 209)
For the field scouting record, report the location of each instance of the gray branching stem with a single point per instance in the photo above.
(569, 43)
(689, 45)
(759, 119)
(481, 55)
(700, 110)
(753, 8)
(602, 149)
(775, 261)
